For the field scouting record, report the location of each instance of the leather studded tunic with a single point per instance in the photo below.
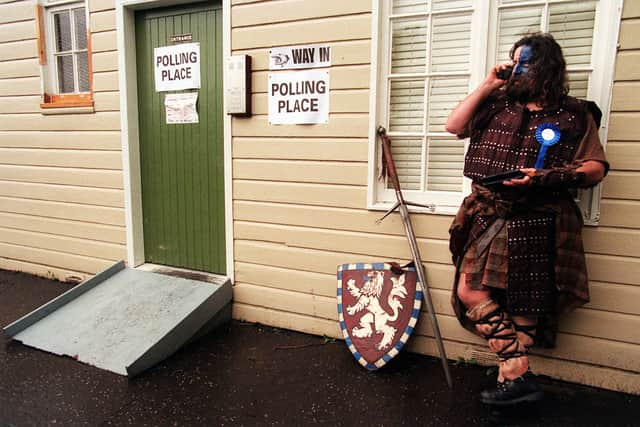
(503, 136)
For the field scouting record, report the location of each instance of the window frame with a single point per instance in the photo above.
(483, 45)
(52, 99)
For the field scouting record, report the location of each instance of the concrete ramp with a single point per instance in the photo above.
(124, 320)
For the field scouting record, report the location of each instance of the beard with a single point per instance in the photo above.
(518, 89)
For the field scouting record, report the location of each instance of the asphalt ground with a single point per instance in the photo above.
(246, 374)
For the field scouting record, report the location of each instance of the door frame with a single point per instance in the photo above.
(127, 73)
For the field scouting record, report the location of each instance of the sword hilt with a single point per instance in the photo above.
(389, 165)
(430, 206)
(393, 208)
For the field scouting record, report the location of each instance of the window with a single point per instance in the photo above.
(64, 55)
(431, 53)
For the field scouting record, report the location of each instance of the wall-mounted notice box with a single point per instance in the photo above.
(238, 85)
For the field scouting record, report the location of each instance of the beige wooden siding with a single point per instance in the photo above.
(300, 204)
(61, 197)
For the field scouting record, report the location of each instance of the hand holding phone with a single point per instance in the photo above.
(495, 182)
(505, 73)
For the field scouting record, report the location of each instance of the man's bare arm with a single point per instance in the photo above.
(460, 116)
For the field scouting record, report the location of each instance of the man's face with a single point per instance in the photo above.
(519, 85)
(522, 60)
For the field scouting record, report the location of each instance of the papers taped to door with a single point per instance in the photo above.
(181, 108)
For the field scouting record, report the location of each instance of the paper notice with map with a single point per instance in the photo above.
(181, 108)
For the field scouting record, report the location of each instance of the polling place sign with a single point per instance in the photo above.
(177, 67)
(300, 97)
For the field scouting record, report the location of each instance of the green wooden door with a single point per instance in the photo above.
(182, 165)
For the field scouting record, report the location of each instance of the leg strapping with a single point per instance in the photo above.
(528, 330)
(499, 329)
(503, 329)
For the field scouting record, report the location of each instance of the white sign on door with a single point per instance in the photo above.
(177, 67)
(293, 57)
(181, 108)
(299, 98)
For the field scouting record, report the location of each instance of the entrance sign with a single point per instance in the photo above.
(181, 108)
(299, 97)
(294, 57)
(179, 38)
(177, 67)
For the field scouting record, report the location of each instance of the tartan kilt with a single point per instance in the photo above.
(490, 268)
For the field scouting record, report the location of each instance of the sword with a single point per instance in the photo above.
(401, 205)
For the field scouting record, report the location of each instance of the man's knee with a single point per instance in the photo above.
(470, 297)
(462, 292)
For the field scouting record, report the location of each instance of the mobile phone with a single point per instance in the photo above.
(504, 74)
(494, 181)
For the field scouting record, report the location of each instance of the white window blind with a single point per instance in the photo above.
(67, 49)
(432, 53)
(513, 23)
(572, 25)
(427, 73)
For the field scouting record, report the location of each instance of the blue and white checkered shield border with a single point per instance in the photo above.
(417, 303)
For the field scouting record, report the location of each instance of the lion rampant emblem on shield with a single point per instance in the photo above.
(378, 308)
(368, 299)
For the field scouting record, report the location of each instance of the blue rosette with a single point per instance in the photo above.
(547, 135)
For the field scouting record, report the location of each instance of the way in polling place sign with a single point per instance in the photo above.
(300, 97)
(293, 57)
(177, 67)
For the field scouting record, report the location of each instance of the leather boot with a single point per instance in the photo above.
(512, 392)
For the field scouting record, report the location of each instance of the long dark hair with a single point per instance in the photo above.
(548, 69)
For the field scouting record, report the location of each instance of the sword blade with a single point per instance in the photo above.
(415, 253)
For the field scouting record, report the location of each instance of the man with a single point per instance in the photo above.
(517, 245)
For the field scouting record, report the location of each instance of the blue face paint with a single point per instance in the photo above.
(522, 67)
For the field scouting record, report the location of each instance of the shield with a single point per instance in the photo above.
(378, 308)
